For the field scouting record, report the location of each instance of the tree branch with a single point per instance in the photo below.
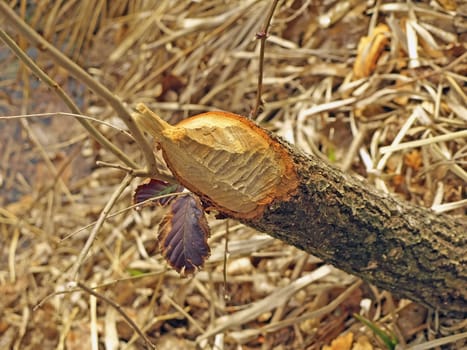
(403, 248)
(273, 187)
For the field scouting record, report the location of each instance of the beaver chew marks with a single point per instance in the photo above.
(224, 158)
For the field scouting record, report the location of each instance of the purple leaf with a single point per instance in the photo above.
(155, 188)
(183, 235)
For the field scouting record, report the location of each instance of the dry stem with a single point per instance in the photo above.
(262, 35)
(119, 309)
(110, 203)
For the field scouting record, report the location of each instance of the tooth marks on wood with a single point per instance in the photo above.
(226, 159)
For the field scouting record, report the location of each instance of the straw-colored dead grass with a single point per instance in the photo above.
(397, 117)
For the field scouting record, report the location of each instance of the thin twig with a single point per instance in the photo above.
(65, 114)
(262, 36)
(101, 163)
(110, 203)
(50, 296)
(140, 204)
(12, 254)
(226, 256)
(48, 162)
(70, 288)
(119, 309)
(184, 313)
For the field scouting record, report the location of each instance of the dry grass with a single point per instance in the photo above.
(401, 124)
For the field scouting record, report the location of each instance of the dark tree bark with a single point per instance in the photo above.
(408, 250)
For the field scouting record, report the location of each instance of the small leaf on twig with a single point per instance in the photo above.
(153, 189)
(183, 235)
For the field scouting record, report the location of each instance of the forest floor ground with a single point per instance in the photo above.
(376, 88)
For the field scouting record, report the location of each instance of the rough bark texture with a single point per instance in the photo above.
(405, 249)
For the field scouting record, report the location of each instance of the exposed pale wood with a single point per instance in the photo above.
(226, 159)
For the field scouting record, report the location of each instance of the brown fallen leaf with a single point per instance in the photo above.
(344, 342)
(369, 51)
(413, 160)
(450, 5)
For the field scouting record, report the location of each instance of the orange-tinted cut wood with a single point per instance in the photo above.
(226, 159)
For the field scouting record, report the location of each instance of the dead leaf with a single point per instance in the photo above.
(449, 5)
(344, 342)
(153, 188)
(370, 49)
(413, 159)
(171, 83)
